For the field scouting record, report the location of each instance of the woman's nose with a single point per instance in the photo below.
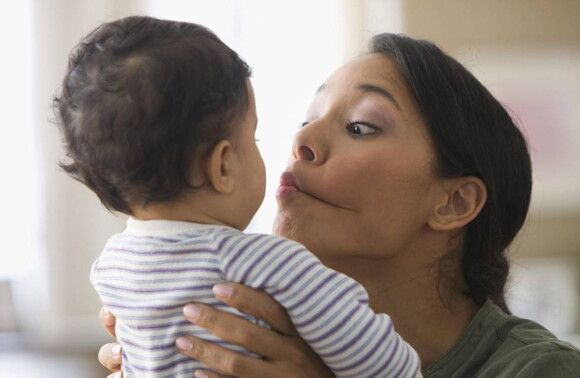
(309, 143)
(306, 153)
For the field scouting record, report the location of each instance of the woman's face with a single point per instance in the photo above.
(360, 178)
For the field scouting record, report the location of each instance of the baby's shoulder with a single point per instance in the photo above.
(240, 239)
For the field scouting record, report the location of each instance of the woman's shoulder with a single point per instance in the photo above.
(527, 349)
(545, 359)
(499, 345)
(518, 333)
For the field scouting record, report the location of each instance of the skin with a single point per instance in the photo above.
(365, 199)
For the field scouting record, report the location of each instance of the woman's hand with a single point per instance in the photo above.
(285, 353)
(110, 354)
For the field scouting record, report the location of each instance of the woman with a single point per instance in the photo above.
(411, 178)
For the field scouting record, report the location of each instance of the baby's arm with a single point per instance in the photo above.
(329, 309)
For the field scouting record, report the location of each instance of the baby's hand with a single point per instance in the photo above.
(110, 354)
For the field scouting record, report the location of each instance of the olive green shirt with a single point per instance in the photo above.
(497, 345)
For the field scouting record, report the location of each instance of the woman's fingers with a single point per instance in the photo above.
(108, 321)
(110, 356)
(285, 356)
(256, 303)
(208, 374)
(284, 353)
(238, 331)
(224, 360)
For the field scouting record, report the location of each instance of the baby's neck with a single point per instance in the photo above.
(183, 209)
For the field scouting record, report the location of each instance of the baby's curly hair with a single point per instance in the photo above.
(140, 99)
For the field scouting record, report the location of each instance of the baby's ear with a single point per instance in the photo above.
(218, 167)
(463, 201)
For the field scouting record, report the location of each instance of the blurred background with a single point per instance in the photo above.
(527, 52)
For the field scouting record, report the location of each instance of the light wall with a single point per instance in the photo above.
(469, 25)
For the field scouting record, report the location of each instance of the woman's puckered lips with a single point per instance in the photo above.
(288, 184)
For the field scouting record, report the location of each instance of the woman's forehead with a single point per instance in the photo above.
(370, 74)
(377, 68)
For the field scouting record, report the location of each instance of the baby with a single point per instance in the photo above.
(158, 118)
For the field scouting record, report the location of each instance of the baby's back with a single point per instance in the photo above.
(145, 281)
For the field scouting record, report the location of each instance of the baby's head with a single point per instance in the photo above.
(143, 104)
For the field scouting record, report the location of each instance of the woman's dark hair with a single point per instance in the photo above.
(140, 99)
(473, 135)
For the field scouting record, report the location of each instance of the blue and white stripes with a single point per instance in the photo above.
(148, 273)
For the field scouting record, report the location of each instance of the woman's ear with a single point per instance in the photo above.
(464, 199)
(218, 167)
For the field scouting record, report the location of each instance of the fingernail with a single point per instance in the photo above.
(116, 349)
(191, 311)
(223, 290)
(183, 343)
(200, 374)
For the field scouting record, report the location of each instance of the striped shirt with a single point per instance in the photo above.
(146, 275)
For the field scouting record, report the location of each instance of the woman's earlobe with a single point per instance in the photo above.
(219, 167)
(465, 199)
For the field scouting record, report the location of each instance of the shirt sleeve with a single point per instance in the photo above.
(329, 309)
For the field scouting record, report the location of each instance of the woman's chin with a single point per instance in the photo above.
(283, 225)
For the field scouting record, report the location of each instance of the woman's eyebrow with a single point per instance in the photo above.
(381, 91)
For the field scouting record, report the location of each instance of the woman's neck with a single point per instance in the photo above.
(427, 309)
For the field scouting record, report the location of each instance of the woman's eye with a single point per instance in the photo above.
(360, 129)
